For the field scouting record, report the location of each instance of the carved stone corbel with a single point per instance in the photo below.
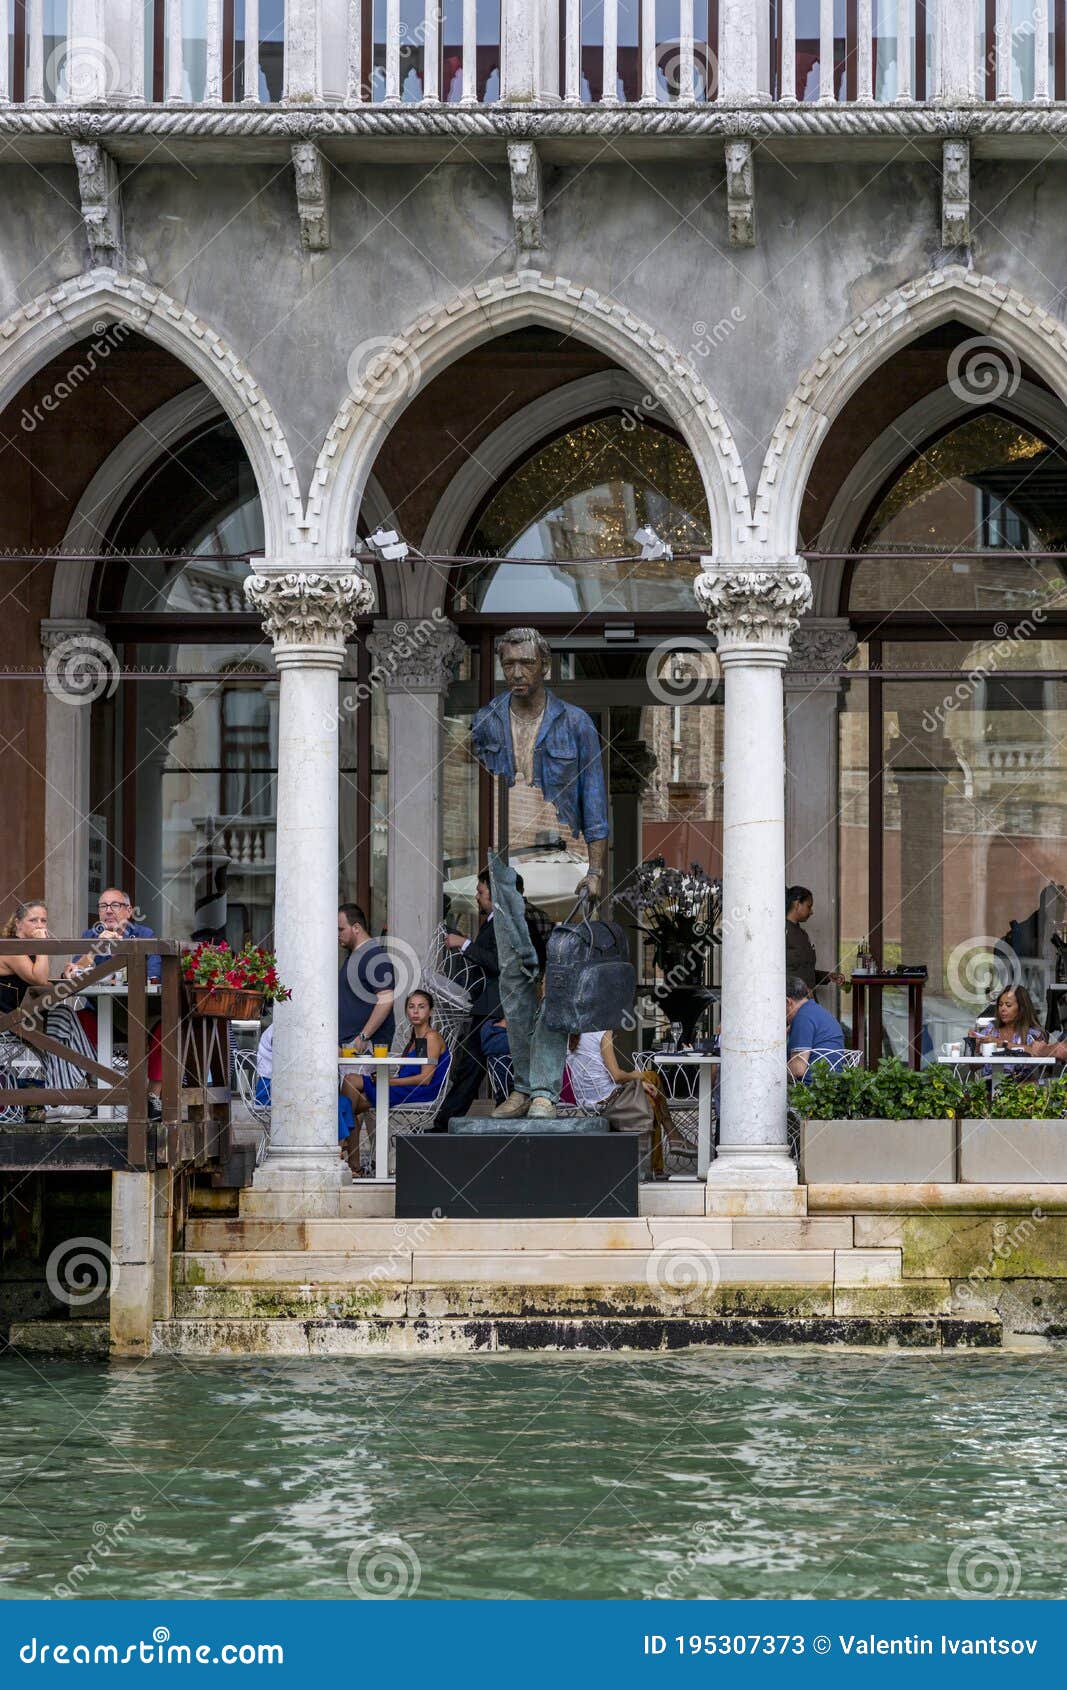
(955, 193)
(741, 193)
(527, 207)
(101, 203)
(312, 177)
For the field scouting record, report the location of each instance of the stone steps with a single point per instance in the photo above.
(370, 1234)
(674, 1265)
(374, 1199)
(405, 1335)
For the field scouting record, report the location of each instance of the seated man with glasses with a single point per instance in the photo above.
(115, 910)
(114, 924)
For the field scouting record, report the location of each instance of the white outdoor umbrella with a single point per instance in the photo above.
(549, 880)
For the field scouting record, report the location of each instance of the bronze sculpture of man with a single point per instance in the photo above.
(531, 737)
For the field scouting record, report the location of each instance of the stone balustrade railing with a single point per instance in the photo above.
(479, 52)
(245, 841)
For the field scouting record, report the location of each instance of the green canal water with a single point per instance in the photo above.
(706, 1474)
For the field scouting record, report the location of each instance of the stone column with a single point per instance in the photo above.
(303, 53)
(308, 611)
(520, 22)
(820, 647)
(631, 766)
(744, 53)
(752, 614)
(80, 667)
(415, 662)
(954, 22)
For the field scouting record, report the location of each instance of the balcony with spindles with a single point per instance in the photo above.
(561, 59)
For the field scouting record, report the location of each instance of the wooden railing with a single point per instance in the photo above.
(193, 1125)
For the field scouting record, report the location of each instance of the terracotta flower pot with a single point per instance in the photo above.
(231, 1003)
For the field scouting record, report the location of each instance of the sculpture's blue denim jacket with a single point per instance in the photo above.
(567, 764)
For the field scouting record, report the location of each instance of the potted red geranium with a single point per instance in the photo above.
(231, 984)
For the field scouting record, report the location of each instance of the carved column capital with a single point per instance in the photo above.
(80, 663)
(418, 656)
(818, 649)
(308, 613)
(753, 612)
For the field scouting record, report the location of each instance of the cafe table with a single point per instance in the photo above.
(380, 1066)
(103, 996)
(997, 1064)
(705, 1066)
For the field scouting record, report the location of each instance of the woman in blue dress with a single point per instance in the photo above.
(419, 1081)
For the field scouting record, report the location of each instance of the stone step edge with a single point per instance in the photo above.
(646, 1333)
(844, 1265)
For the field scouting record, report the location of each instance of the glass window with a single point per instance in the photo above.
(271, 50)
(989, 484)
(585, 495)
(975, 826)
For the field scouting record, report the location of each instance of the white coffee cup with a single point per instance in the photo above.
(955, 1050)
(989, 1047)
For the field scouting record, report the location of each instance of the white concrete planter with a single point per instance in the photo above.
(878, 1152)
(1013, 1152)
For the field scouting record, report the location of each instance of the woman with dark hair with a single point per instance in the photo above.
(21, 974)
(1016, 1027)
(420, 1080)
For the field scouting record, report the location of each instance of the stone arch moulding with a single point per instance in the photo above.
(515, 438)
(89, 303)
(997, 313)
(888, 456)
(444, 332)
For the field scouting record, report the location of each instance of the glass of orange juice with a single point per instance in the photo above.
(348, 1051)
(381, 1050)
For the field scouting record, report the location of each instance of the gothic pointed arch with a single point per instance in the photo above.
(1008, 327)
(445, 332)
(104, 301)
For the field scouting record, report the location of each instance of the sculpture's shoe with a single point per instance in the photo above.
(542, 1109)
(513, 1107)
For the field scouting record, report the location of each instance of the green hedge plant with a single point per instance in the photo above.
(895, 1092)
(891, 1092)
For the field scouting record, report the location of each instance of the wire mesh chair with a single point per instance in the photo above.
(680, 1088)
(245, 1083)
(18, 1064)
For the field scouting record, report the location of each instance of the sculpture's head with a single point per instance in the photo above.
(526, 659)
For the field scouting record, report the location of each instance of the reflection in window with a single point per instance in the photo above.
(585, 495)
(991, 483)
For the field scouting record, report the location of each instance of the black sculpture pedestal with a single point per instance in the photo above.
(483, 1168)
